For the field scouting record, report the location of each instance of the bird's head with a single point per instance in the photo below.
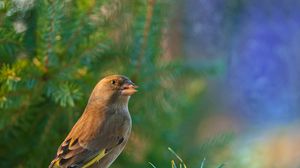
(114, 88)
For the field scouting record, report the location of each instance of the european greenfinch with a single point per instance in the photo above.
(101, 133)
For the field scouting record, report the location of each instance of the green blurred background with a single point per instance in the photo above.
(217, 79)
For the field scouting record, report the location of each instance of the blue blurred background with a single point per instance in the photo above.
(256, 43)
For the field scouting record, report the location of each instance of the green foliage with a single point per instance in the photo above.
(53, 52)
(66, 94)
(181, 162)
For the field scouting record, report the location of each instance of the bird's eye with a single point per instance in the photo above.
(113, 82)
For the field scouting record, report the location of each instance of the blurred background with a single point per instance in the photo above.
(218, 79)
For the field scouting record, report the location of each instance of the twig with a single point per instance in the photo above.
(149, 16)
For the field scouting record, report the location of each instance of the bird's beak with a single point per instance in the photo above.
(128, 88)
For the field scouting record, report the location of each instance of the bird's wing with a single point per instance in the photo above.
(71, 154)
(87, 143)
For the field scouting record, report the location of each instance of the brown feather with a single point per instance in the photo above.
(104, 125)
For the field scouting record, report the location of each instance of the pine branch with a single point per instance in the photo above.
(82, 23)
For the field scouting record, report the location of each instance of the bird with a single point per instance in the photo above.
(102, 131)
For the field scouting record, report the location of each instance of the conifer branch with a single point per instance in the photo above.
(81, 25)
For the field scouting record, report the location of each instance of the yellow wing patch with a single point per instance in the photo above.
(96, 159)
(54, 164)
(72, 142)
